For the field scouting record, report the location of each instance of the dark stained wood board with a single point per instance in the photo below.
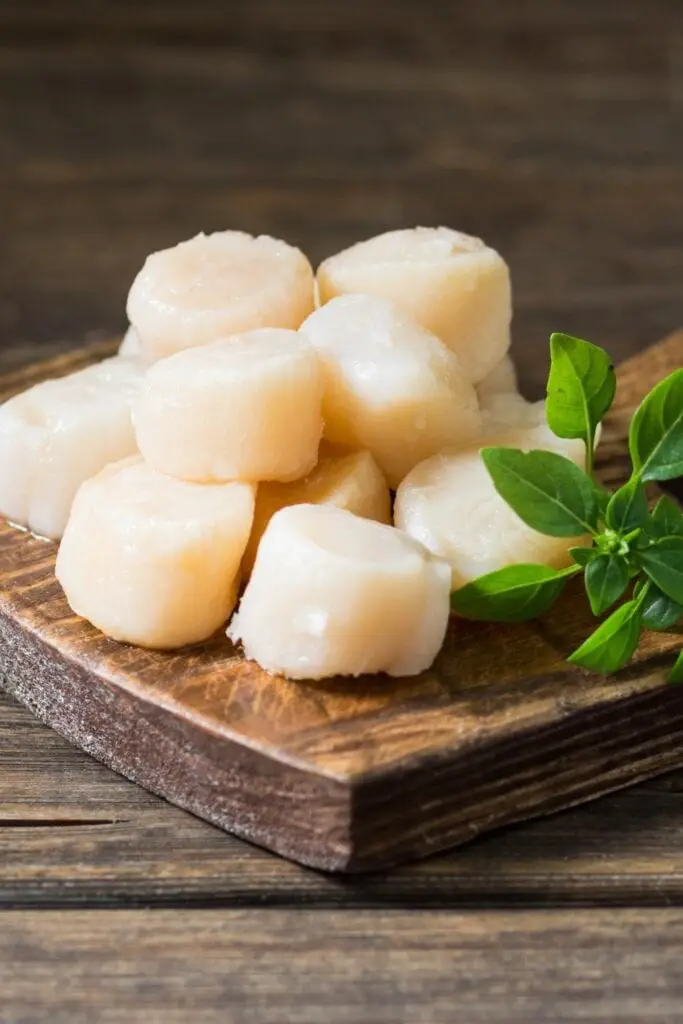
(351, 775)
(354, 967)
(75, 835)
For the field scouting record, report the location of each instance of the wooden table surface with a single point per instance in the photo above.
(554, 128)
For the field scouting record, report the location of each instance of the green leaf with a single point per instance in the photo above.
(627, 508)
(602, 498)
(663, 563)
(613, 643)
(606, 580)
(656, 432)
(513, 594)
(546, 490)
(581, 387)
(659, 611)
(583, 556)
(666, 519)
(676, 674)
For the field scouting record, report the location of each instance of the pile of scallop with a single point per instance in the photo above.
(247, 438)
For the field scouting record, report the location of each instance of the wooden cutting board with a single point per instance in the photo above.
(350, 775)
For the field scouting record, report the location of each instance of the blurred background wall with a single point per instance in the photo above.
(553, 128)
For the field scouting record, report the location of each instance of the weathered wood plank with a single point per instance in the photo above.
(73, 834)
(550, 130)
(379, 968)
(75, 247)
(436, 118)
(540, 35)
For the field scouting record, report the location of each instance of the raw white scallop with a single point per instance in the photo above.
(345, 479)
(505, 410)
(215, 285)
(502, 406)
(334, 594)
(453, 284)
(57, 434)
(131, 346)
(510, 412)
(507, 414)
(450, 505)
(245, 408)
(154, 561)
(390, 386)
(502, 380)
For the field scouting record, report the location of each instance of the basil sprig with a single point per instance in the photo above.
(629, 551)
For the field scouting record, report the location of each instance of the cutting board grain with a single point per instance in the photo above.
(350, 775)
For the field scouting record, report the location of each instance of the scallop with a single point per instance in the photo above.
(334, 594)
(216, 285)
(131, 345)
(345, 479)
(505, 410)
(57, 434)
(245, 408)
(450, 505)
(154, 561)
(501, 380)
(502, 406)
(453, 284)
(391, 387)
(510, 412)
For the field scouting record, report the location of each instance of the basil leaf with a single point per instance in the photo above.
(583, 556)
(627, 508)
(656, 433)
(581, 387)
(602, 498)
(606, 580)
(546, 490)
(513, 594)
(659, 611)
(613, 643)
(666, 519)
(663, 563)
(676, 674)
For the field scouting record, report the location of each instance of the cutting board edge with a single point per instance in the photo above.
(328, 820)
(331, 825)
(110, 722)
(588, 753)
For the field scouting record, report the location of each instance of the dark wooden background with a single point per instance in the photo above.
(554, 128)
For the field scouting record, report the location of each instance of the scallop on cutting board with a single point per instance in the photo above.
(351, 775)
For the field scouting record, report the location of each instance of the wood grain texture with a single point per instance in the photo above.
(377, 968)
(352, 775)
(127, 126)
(75, 835)
(550, 128)
(614, 277)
